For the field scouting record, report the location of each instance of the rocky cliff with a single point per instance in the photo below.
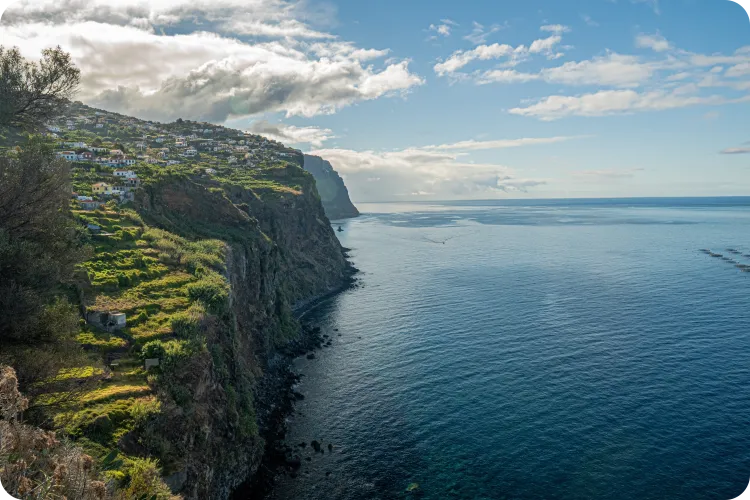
(333, 192)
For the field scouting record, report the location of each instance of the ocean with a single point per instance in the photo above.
(558, 349)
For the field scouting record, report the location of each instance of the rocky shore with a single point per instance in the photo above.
(276, 394)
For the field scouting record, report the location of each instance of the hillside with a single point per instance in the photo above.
(204, 241)
(333, 193)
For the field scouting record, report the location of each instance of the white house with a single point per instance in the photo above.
(53, 129)
(123, 173)
(99, 125)
(232, 160)
(130, 161)
(210, 171)
(77, 145)
(68, 155)
(160, 139)
(191, 152)
(173, 162)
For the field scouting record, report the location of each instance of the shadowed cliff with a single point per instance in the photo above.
(333, 192)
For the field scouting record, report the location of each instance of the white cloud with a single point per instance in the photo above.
(128, 67)
(461, 58)
(479, 34)
(736, 151)
(588, 20)
(609, 102)
(416, 173)
(557, 29)
(444, 28)
(654, 42)
(613, 70)
(290, 134)
(436, 171)
(500, 143)
(741, 69)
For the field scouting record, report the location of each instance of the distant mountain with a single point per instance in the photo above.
(333, 192)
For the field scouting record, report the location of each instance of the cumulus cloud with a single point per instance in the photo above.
(443, 28)
(291, 134)
(654, 42)
(130, 68)
(461, 58)
(555, 28)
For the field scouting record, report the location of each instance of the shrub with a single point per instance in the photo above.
(145, 481)
(212, 289)
(153, 349)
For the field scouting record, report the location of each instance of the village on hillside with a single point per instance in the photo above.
(111, 153)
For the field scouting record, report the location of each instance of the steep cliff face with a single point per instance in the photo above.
(333, 193)
(280, 251)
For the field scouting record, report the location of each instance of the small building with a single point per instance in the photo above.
(123, 173)
(84, 198)
(132, 182)
(89, 205)
(101, 188)
(93, 228)
(86, 156)
(68, 155)
(130, 160)
(99, 125)
(210, 171)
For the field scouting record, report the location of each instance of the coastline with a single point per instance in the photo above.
(275, 396)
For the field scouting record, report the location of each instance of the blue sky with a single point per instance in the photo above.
(437, 99)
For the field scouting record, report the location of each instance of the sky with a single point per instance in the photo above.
(435, 99)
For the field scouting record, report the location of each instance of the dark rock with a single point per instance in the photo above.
(311, 355)
(295, 462)
(303, 445)
(330, 447)
(315, 445)
(328, 473)
(176, 481)
(308, 459)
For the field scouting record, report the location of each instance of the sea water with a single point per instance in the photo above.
(563, 349)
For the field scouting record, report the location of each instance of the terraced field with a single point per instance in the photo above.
(162, 283)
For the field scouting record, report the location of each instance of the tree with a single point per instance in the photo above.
(31, 93)
(40, 243)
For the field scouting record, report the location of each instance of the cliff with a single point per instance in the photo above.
(333, 192)
(280, 250)
(205, 262)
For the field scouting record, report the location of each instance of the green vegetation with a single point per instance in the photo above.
(158, 257)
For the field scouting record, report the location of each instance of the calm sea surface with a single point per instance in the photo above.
(555, 349)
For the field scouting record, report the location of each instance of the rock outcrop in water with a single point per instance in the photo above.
(333, 192)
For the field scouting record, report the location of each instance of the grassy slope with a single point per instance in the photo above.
(147, 274)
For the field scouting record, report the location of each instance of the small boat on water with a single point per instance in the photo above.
(340, 229)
